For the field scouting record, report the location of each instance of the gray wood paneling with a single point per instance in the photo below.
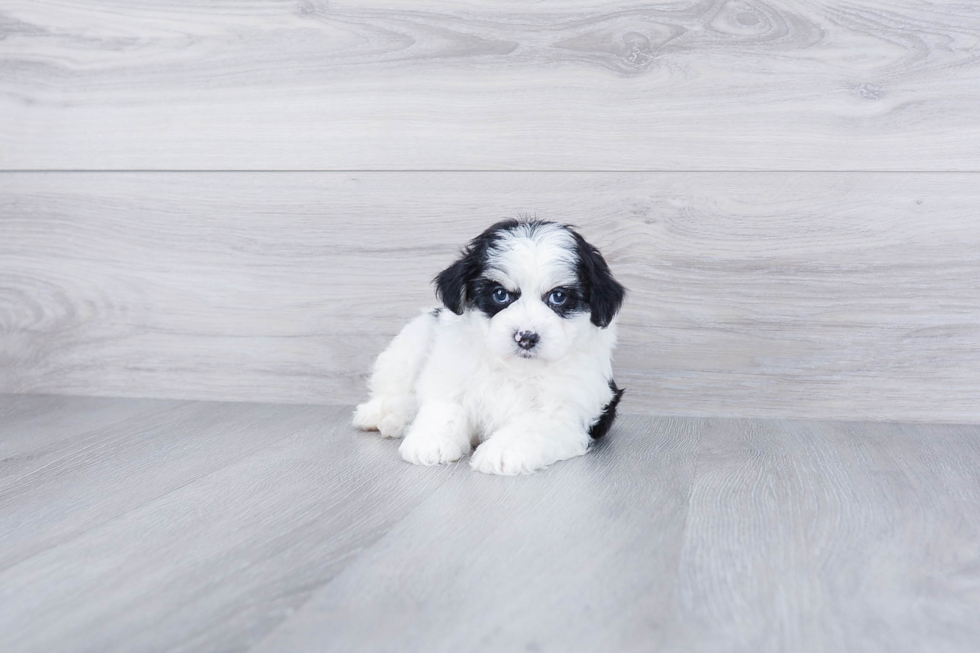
(692, 84)
(780, 294)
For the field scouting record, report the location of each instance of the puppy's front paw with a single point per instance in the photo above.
(507, 458)
(425, 450)
(511, 451)
(387, 415)
(367, 416)
(392, 425)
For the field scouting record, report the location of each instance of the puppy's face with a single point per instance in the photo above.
(538, 287)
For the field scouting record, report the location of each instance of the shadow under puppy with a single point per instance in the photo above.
(520, 365)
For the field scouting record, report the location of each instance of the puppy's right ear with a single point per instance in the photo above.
(452, 283)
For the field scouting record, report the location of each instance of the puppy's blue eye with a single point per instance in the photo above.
(557, 297)
(500, 296)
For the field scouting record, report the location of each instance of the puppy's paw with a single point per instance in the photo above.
(507, 458)
(388, 415)
(392, 425)
(427, 450)
(509, 452)
(367, 416)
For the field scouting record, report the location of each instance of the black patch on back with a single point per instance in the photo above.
(608, 415)
(435, 311)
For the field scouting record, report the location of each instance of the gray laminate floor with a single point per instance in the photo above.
(139, 525)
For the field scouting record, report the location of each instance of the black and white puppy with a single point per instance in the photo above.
(520, 365)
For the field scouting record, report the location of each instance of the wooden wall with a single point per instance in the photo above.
(244, 201)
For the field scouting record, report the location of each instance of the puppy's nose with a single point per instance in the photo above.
(526, 339)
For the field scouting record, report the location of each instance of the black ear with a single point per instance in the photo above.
(455, 282)
(604, 294)
(452, 283)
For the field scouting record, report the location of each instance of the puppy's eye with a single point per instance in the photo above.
(557, 297)
(501, 296)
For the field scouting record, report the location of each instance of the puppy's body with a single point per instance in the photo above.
(519, 362)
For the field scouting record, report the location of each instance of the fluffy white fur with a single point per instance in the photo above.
(449, 383)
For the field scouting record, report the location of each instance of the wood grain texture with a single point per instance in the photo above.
(796, 536)
(34, 426)
(582, 557)
(97, 468)
(200, 529)
(751, 294)
(625, 85)
(815, 536)
(256, 527)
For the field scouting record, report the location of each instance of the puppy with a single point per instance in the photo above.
(517, 363)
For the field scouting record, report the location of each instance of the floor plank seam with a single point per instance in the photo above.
(690, 494)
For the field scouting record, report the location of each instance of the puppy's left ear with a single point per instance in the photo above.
(605, 294)
(451, 283)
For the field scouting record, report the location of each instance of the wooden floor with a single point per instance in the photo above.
(143, 525)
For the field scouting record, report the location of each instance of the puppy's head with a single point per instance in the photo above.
(537, 286)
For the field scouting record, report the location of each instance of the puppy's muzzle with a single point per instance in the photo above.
(526, 339)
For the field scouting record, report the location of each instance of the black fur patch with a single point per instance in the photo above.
(435, 312)
(603, 293)
(481, 295)
(574, 301)
(455, 285)
(608, 415)
(462, 284)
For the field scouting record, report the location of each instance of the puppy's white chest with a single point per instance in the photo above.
(496, 396)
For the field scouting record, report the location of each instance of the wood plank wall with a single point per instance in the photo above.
(244, 201)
